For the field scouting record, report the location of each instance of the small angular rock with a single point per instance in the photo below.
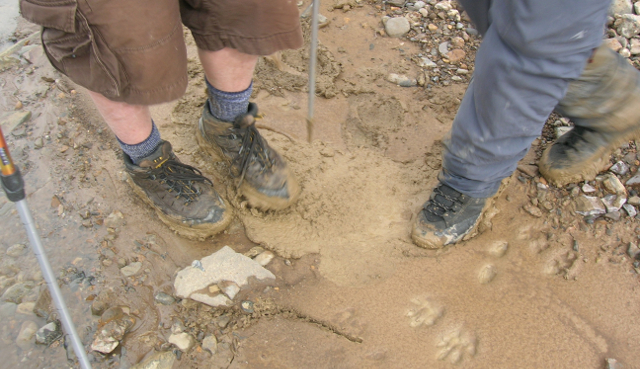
(588, 206)
(49, 333)
(183, 341)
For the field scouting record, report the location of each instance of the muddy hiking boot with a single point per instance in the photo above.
(604, 104)
(262, 174)
(183, 199)
(447, 217)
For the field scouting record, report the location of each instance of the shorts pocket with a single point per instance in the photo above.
(58, 14)
(83, 56)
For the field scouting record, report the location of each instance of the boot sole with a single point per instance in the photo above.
(195, 232)
(434, 242)
(254, 197)
(587, 169)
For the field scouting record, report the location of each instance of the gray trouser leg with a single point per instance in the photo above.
(531, 49)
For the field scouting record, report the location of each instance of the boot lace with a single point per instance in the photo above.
(445, 200)
(179, 178)
(249, 146)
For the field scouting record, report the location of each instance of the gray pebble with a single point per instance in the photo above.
(397, 27)
(164, 298)
(223, 320)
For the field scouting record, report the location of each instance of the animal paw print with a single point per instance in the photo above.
(454, 345)
(424, 313)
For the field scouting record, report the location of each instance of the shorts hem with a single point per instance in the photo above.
(250, 45)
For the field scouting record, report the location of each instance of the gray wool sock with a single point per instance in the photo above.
(143, 149)
(226, 106)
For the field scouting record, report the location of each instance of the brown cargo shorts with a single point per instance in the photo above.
(134, 51)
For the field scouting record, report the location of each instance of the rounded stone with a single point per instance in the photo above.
(397, 27)
(164, 299)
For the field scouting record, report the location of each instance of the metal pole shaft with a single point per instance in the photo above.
(313, 59)
(47, 273)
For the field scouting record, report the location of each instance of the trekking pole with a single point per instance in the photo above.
(13, 187)
(312, 67)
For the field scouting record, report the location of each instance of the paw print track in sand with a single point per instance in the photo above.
(424, 313)
(455, 345)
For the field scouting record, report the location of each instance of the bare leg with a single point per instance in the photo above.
(130, 123)
(228, 70)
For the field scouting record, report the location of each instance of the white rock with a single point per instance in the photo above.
(424, 12)
(444, 5)
(426, 63)
(587, 188)
(636, 7)
(620, 168)
(613, 184)
(614, 202)
(620, 7)
(210, 344)
(630, 209)
(402, 80)
(628, 25)
(397, 27)
(561, 130)
(454, 15)
(443, 48)
(588, 205)
(633, 181)
(230, 289)
(264, 258)
(184, 341)
(419, 5)
(223, 265)
(625, 53)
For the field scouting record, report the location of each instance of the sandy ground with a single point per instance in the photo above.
(352, 291)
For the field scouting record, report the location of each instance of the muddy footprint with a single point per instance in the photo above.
(455, 345)
(497, 250)
(424, 313)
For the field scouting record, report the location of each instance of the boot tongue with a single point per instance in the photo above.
(161, 154)
(244, 121)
